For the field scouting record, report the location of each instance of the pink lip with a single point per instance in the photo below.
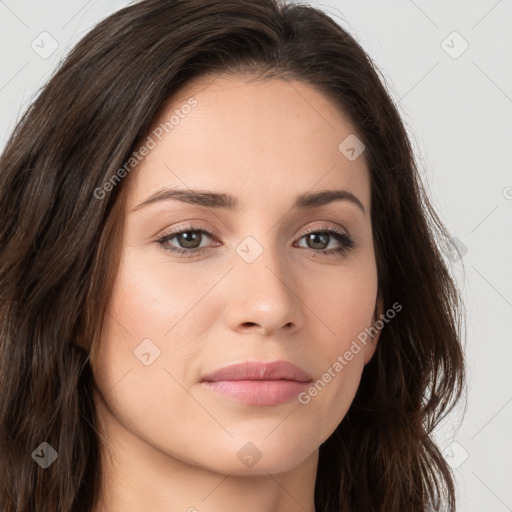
(259, 383)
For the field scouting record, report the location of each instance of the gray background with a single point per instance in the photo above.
(457, 107)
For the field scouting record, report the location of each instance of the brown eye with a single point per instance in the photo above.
(318, 240)
(188, 240)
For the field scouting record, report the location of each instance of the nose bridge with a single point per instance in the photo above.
(260, 258)
(257, 234)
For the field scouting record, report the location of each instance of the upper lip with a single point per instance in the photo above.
(259, 370)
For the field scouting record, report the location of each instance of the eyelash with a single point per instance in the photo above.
(345, 239)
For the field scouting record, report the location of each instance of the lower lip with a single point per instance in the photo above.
(259, 392)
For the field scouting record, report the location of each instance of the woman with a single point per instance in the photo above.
(221, 286)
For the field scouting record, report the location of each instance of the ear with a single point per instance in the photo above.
(374, 330)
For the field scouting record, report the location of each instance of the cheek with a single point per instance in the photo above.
(156, 300)
(145, 315)
(341, 310)
(139, 322)
(155, 315)
(344, 305)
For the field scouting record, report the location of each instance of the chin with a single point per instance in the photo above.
(260, 455)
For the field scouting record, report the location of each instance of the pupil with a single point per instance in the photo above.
(189, 244)
(315, 235)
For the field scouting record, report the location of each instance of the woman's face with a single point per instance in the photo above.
(258, 289)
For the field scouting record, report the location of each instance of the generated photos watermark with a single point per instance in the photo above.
(149, 144)
(342, 360)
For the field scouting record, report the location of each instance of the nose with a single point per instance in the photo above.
(264, 293)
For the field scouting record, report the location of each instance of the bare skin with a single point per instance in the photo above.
(173, 444)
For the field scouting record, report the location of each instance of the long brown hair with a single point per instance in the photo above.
(59, 250)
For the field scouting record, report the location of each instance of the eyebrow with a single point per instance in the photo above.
(226, 201)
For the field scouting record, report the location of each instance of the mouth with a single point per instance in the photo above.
(258, 383)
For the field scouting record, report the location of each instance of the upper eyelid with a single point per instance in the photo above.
(210, 231)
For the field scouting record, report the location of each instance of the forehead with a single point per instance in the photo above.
(261, 140)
